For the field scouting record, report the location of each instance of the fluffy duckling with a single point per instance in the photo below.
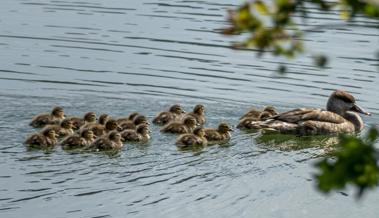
(222, 133)
(141, 134)
(186, 126)
(65, 128)
(188, 140)
(246, 123)
(270, 110)
(100, 130)
(130, 117)
(56, 116)
(132, 124)
(112, 140)
(103, 119)
(86, 138)
(198, 113)
(175, 112)
(47, 138)
(78, 122)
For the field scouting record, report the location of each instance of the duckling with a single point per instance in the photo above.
(197, 138)
(63, 129)
(185, 126)
(86, 138)
(130, 117)
(132, 124)
(246, 123)
(47, 138)
(100, 130)
(198, 114)
(257, 113)
(56, 115)
(78, 122)
(103, 119)
(175, 112)
(112, 140)
(222, 133)
(140, 134)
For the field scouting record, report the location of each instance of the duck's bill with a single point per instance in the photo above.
(358, 109)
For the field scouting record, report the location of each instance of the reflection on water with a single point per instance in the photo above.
(122, 56)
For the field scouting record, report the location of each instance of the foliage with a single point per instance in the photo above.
(355, 163)
(272, 27)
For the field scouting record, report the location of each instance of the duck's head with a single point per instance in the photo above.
(224, 128)
(140, 119)
(58, 112)
(114, 136)
(133, 115)
(271, 110)
(67, 124)
(103, 119)
(176, 109)
(199, 131)
(112, 125)
(87, 134)
(190, 122)
(199, 109)
(341, 101)
(49, 133)
(90, 117)
(143, 129)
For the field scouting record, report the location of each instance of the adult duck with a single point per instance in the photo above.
(340, 116)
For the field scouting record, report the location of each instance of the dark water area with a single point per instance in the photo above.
(122, 56)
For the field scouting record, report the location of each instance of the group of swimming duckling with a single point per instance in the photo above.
(106, 133)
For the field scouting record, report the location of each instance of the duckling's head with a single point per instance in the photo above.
(58, 112)
(133, 115)
(112, 125)
(176, 109)
(87, 134)
(199, 109)
(190, 122)
(67, 124)
(271, 110)
(103, 119)
(199, 131)
(340, 102)
(90, 117)
(143, 129)
(140, 119)
(114, 136)
(49, 133)
(224, 128)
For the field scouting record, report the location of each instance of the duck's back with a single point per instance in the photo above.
(175, 127)
(130, 135)
(163, 118)
(41, 120)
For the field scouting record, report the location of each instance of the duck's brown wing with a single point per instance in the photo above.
(304, 114)
(174, 128)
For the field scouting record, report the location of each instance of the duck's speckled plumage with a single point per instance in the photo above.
(86, 138)
(140, 134)
(45, 139)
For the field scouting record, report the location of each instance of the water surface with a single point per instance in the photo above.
(122, 56)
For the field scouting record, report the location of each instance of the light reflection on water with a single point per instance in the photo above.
(117, 57)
